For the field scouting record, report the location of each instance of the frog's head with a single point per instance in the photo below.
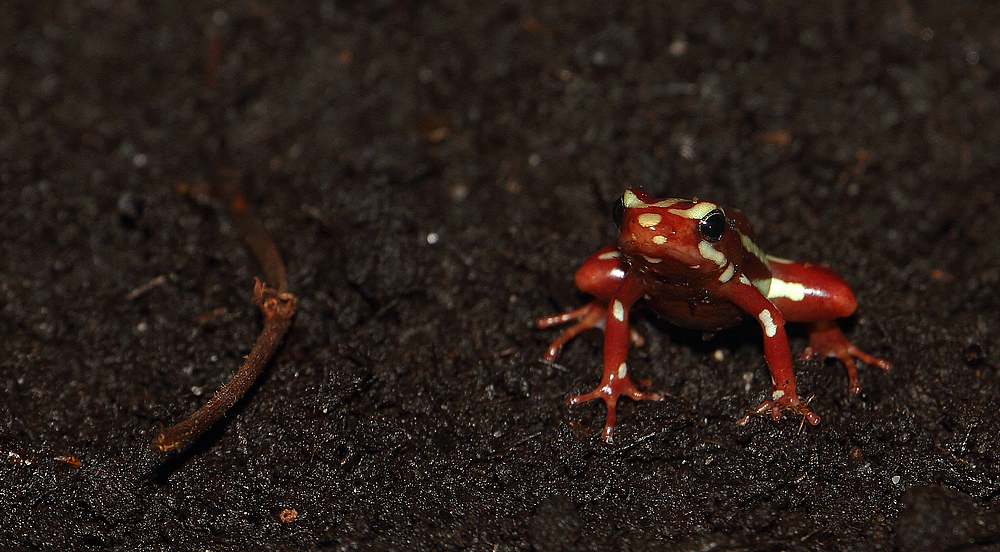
(675, 238)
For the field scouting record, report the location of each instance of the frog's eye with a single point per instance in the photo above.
(712, 225)
(618, 211)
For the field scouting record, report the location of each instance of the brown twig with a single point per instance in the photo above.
(274, 301)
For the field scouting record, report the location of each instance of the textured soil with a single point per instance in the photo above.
(433, 174)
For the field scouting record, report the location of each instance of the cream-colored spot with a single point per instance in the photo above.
(752, 247)
(617, 273)
(711, 253)
(698, 211)
(788, 290)
(763, 286)
(728, 273)
(744, 280)
(608, 255)
(768, 323)
(649, 220)
(666, 202)
(652, 260)
(618, 311)
(778, 393)
(774, 259)
(622, 371)
(632, 201)
(659, 240)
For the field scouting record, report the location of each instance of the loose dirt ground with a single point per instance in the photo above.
(434, 173)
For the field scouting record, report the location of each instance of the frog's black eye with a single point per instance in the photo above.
(712, 225)
(618, 211)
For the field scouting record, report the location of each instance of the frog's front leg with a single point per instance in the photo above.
(616, 380)
(826, 340)
(777, 353)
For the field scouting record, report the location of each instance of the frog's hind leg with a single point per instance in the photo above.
(591, 315)
(826, 340)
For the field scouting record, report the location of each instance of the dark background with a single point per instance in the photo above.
(406, 409)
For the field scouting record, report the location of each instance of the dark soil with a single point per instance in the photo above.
(434, 173)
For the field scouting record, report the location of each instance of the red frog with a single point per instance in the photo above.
(697, 265)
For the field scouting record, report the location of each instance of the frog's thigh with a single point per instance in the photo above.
(806, 292)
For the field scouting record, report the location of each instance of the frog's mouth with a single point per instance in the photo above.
(643, 247)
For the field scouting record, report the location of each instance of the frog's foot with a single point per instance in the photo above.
(612, 386)
(826, 340)
(591, 315)
(780, 402)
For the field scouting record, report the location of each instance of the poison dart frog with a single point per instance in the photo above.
(696, 264)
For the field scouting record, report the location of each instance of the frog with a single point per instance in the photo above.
(697, 264)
